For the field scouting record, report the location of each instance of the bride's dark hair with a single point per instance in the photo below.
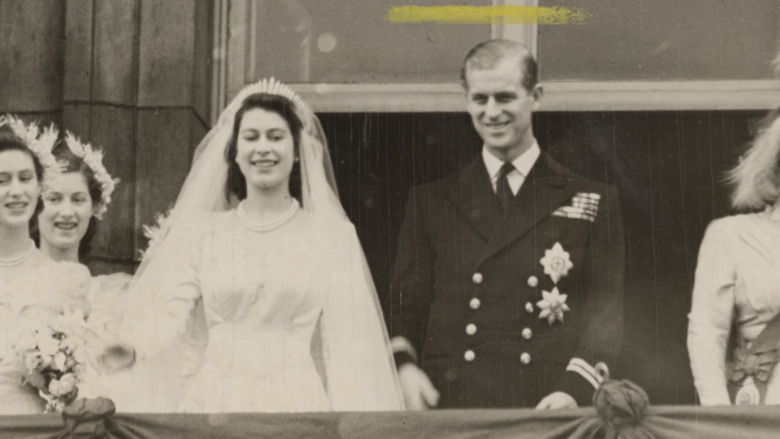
(236, 182)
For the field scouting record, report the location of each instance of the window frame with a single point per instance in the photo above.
(233, 21)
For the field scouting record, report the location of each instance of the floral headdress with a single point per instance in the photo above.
(153, 231)
(39, 142)
(94, 159)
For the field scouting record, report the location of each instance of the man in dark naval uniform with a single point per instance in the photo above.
(507, 289)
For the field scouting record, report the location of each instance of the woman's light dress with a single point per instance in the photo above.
(264, 290)
(107, 301)
(737, 279)
(38, 289)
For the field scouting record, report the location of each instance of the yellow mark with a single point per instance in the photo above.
(488, 14)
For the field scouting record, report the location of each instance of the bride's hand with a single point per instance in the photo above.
(116, 356)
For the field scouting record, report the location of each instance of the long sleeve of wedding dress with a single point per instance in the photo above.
(153, 325)
(262, 294)
(711, 314)
(167, 318)
(355, 354)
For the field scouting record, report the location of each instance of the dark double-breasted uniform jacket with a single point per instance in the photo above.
(501, 309)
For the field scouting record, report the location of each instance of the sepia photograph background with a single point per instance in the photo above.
(658, 98)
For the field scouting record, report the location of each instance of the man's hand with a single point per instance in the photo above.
(557, 400)
(419, 393)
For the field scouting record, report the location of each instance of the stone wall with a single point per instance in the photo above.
(130, 76)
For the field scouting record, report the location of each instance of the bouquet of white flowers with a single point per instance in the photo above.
(55, 355)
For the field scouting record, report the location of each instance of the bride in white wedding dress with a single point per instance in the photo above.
(263, 279)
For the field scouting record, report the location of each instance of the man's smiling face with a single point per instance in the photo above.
(501, 108)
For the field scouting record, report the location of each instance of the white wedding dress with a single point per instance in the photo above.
(264, 291)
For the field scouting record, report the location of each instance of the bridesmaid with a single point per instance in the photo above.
(77, 198)
(73, 205)
(32, 286)
(737, 284)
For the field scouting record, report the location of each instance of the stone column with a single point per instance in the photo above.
(31, 58)
(136, 83)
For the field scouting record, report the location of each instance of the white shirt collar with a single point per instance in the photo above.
(522, 164)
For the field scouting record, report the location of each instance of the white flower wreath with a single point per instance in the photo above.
(39, 142)
(94, 159)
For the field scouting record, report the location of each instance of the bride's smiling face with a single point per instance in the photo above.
(265, 150)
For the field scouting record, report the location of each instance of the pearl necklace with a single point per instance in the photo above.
(271, 225)
(19, 259)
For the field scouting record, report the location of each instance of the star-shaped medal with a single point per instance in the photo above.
(552, 305)
(556, 262)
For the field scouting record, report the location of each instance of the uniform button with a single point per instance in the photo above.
(529, 307)
(469, 355)
(477, 278)
(471, 329)
(525, 358)
(527, 334)
(475, 303)
(533, 281)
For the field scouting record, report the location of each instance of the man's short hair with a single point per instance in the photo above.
(488, 54)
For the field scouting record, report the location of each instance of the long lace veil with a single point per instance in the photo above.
(204, 191)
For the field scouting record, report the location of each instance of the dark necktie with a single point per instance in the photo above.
(503, 190)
